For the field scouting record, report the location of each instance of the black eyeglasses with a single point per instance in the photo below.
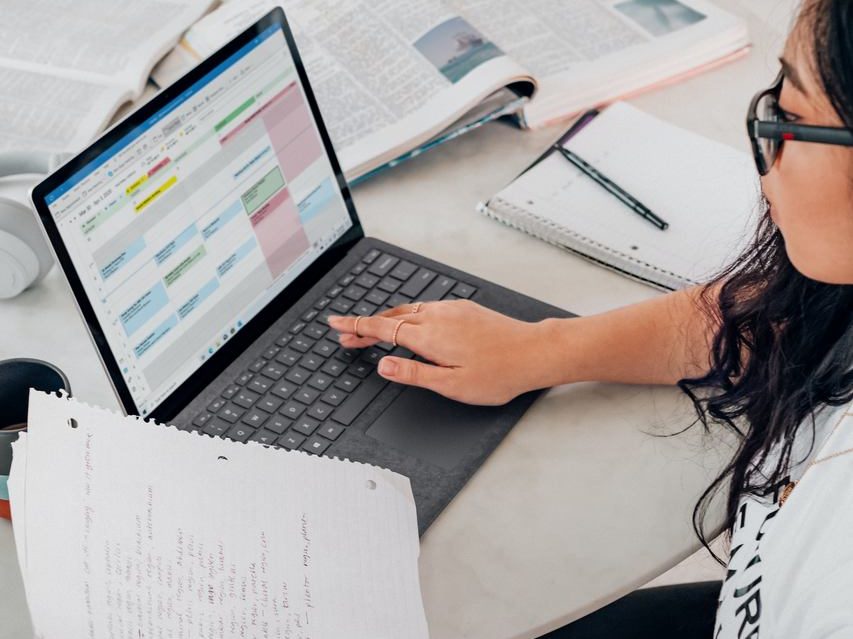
(768, 129)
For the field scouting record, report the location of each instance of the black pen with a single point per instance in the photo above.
(614, 189)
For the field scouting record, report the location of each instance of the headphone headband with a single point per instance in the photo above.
(24, 162)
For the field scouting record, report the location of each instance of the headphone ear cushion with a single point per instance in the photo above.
(25, 257)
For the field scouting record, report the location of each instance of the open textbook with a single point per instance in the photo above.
(125, 528)
(395, 76)
(67, 67)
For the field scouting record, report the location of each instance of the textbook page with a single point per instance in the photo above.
(65, 68)
(52, 113)
(587, 52)
(166, 533)
(388, 74)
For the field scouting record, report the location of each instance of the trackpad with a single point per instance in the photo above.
(432, 428)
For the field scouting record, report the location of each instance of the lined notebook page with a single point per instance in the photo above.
(132, 529)
(707, 191)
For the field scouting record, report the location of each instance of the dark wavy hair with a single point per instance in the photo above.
(784, 343)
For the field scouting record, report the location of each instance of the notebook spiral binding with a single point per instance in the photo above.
(553, 233)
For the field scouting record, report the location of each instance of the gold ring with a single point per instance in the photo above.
(397, 328)
(355, 328)
(417, 307)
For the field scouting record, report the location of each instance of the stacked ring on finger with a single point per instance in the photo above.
(396, 329)
(417, 307)
(358, 318)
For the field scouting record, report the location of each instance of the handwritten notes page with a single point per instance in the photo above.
(129, 529)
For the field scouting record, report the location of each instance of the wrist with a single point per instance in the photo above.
(552, 353)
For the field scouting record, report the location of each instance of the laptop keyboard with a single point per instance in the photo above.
(304, 390)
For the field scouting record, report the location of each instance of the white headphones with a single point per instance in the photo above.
(25, 257)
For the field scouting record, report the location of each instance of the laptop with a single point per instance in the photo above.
(206, 239)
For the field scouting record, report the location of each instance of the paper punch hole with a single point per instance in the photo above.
(371, 485)
(72, 422)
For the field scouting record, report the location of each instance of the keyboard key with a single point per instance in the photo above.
(334, 396)
(346, 280)
(417, 283)
(372, 356)
(366, 280)
(333, 367)
(245, 398)
(347, 355)
(376, 297)
(331, 430)
(404, 270)
(360, 369)
(309, 316)
(273, 371)
(398, 300)
(439, 289)
(305, 426)
(390, 285)
(284, 339)
(311, 361)
(347, 383)
(202, 419)
(259, 384)
(363, 308)
(324, 317)
(355, 293)
(315, 445)
(244, 379)
(284, 389)
(277, 424)
(302, 344)
(383, 265)
(239, 433)
(264, 436)
(297, 375)
(341, 307)
(297, 328)
(255, 418)
(320, 411)
(292, 409)
(215, 405)
(288, 357)
(359, 268)
(402, 352)
(334, 291)
(216, 427)
(315, 331)
(464, 290)
(258, 365)
(269, 403)
(231, 413)
(306, 395)
(371, 256)
(385, 346)
(325, 348)
(320, 381)
(229, 392)
(291, 441)
(360, 398)
(322, 303)
(271, 352)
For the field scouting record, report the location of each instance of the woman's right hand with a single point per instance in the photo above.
(476, 355)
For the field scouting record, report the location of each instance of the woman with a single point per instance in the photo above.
(765, 349)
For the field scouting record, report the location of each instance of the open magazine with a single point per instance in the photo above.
(67, 67)
(394, 77)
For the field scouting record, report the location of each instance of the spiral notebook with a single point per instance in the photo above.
(707, 191)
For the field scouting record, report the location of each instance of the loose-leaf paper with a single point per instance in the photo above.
(126, 528)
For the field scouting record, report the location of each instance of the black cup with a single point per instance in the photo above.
(17, 377)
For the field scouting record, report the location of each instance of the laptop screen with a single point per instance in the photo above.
(198, 217)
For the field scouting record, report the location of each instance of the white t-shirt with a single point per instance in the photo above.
(790, 572)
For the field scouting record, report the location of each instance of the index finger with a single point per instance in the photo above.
(377, 327)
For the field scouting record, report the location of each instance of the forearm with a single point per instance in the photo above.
(656, 342)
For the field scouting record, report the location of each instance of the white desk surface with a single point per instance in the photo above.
(579, 505)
